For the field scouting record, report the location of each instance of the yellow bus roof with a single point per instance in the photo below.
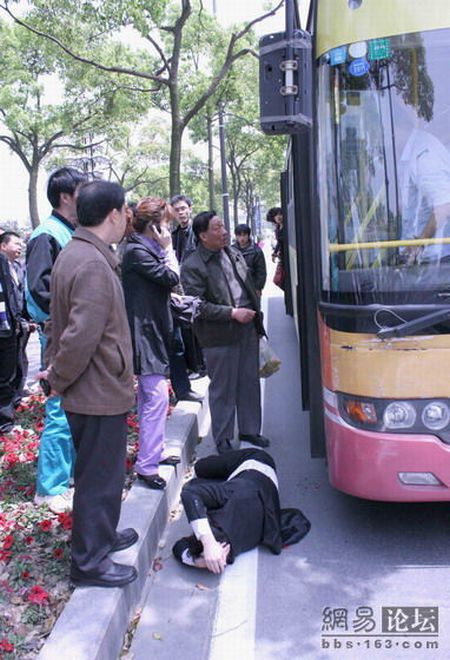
(337, 24)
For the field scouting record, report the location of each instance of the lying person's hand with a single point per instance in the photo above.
(215, 554)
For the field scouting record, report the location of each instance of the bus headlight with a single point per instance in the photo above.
(436, 415)
(399, 415)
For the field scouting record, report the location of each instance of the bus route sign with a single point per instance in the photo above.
(379, 49)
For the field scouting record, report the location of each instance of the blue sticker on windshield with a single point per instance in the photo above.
(338, 55)
(359, 67)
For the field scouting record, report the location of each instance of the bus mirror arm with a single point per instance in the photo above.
(409, 327)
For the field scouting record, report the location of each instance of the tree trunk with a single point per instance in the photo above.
(32, 194)
(211, 186)
(175, 160)
(176, 136)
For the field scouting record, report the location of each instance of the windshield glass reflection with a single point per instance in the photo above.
(384, 166)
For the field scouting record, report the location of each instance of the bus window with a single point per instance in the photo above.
(384, 167)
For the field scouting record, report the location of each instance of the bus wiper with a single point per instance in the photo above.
(410, 327)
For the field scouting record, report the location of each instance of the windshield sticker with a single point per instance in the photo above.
(359, 67)
(379, 49)
(338, 55)
(358, 49)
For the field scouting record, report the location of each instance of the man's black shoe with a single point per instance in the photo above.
(117, 575)
(191, 396)
(125, 539)
(224, 446)
(257, 440)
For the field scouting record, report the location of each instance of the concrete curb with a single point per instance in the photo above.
(94, 621)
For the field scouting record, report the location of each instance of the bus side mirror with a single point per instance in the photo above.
(285, 84)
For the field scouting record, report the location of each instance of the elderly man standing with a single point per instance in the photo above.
(90, 365)
(228, 328)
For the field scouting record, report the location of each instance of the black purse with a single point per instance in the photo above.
(185, 309)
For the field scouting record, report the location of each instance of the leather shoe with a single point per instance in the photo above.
(153, 481)
(191, 396)
(117, 575)
(125, 539)
(257, 440)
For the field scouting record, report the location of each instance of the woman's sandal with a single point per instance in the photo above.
(153, 481)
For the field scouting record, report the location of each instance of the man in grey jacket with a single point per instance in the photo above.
(228, 328)
(89, 359)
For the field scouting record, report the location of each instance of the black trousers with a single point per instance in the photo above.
(9, 380)
(100, 442)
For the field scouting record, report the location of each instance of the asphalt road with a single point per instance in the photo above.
(320, 599)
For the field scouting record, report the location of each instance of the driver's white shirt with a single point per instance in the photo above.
(424, 170)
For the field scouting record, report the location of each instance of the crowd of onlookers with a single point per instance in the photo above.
(100, 284)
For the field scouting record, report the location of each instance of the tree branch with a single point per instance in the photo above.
(80, 58)
(230, 58)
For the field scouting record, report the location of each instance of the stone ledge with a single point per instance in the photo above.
(94, 621)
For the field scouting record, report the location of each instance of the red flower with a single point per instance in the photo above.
(8, 542)
(5, 555)
(46, 525)
(37, 595)
(58, 553)
(10, 459)
(26, 575)
(6, 646)
(65, 519)
(29, 540)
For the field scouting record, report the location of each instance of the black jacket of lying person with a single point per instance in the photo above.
(233, 506)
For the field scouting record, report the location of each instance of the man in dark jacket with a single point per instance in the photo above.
(183, 238)
(253, 255)
(228, 328)
(89, 359)
(185, 351)
(10, 314)
(11, 246)
(233, 506)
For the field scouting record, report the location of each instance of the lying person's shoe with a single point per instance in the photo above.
(56, 503)
(153, 481)
(191, 396)
(257, 440)
(125, 539)
(117, 575)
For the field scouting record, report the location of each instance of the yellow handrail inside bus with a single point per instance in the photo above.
(362, 228)
(413, 242)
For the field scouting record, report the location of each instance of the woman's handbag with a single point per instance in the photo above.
(185, 309)
(269, 362)
(278, 278)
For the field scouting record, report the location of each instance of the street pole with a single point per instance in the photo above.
(211, 182)
(223, 169)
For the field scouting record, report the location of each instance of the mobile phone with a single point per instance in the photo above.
(157, 228)
(45, 386)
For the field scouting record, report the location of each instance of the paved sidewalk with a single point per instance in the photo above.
(94, 621)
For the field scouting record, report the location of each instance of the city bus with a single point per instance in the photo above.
(365, 94)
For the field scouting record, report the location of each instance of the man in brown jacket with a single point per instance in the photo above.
(90, 366)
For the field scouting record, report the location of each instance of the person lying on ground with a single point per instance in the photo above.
(233, 506)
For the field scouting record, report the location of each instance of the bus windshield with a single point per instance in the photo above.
(384, 168)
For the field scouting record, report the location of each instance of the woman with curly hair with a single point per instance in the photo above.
(150, 270)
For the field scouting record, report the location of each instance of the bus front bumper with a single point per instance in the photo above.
(374, 466)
